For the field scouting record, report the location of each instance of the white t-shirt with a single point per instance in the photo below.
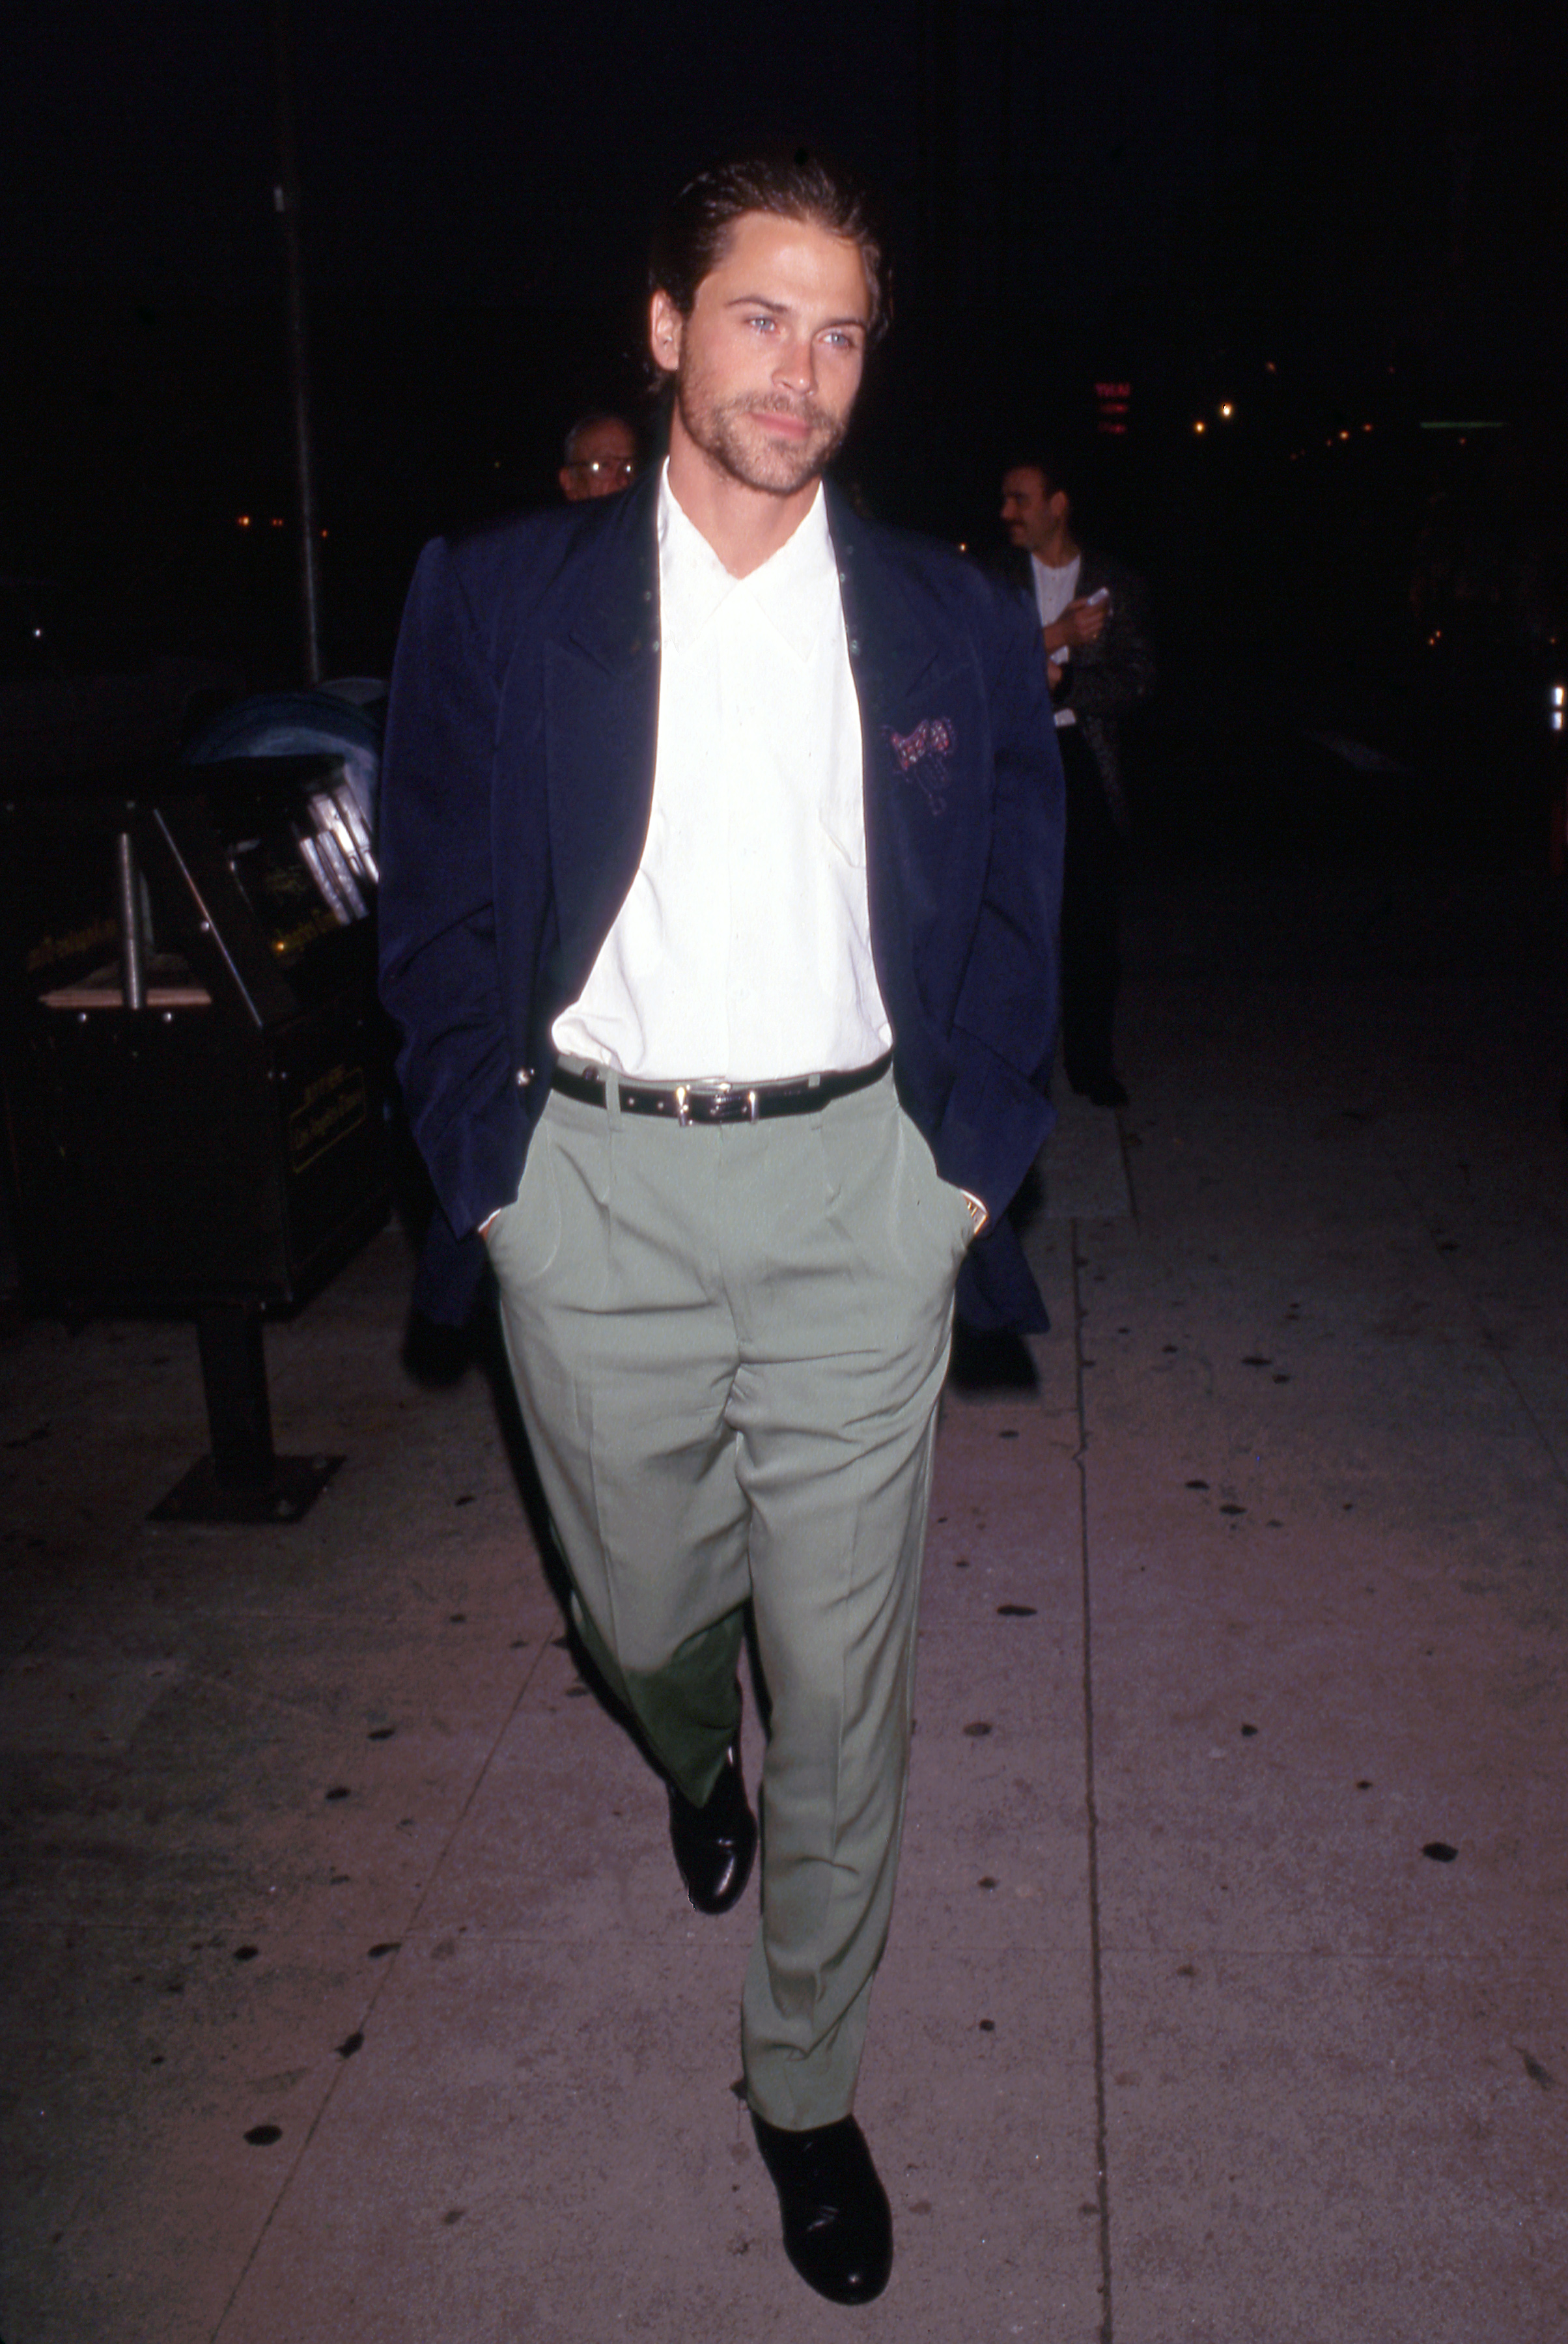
(1053, 590)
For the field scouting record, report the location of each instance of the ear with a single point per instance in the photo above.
(665, 326)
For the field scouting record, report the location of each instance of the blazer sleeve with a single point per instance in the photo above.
(440, 976)
(997, 1115)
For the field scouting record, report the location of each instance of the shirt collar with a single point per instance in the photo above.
(788, 589)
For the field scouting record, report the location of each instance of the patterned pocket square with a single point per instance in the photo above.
(921, 755)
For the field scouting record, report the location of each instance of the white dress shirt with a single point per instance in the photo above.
(742, 950)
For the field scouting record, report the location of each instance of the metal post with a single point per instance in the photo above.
(239, 1412)
(286, 202)
(244, 1479)
(128, 900)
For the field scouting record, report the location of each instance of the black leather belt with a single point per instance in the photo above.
(687, 1102)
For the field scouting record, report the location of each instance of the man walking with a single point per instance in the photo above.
(720, 853)
(1089, 610)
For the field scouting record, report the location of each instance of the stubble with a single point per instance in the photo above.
(727, 434)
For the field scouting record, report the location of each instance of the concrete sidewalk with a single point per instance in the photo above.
(352, 1994)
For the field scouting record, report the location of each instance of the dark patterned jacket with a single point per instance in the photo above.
(1102, 681)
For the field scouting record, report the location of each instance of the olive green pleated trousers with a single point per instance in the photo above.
(728, 1343)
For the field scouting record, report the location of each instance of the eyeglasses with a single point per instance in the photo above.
(605, 467)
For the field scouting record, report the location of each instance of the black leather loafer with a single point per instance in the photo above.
(714, 1843)
(837, 2228)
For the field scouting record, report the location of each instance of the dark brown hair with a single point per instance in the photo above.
(1058, 473)
(691, 237)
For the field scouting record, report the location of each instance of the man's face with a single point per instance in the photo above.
(605, 461)
(1032, 514)
(769, 361)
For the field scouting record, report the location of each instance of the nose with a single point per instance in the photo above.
(795, 366)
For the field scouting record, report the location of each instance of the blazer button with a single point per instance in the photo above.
(524, 1076)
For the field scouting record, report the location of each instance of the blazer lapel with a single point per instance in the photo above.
(920, 729)
(892, 648)
(601, 719)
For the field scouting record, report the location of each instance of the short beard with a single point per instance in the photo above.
(776, 467)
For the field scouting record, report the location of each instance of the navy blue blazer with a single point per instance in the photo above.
(516, 786)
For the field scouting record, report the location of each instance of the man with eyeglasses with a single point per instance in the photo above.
(600, 454)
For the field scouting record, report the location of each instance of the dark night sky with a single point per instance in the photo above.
(1175, 190)
(515, 151)
(508, 153)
